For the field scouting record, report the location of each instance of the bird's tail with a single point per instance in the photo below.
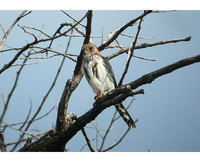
(125, 115)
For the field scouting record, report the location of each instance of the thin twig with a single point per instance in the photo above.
(24, 132)
(4, 32)
(86, 145)
(76, 28)
(160, 11)
(14, 87)
(130, 36)
(44, 99)
(37, 30)
(118, 134)
(12, 143)
(145, 45)
(107, 131)
(11, 27)
(88, 140)
(12, 91)
(29, 113)
(43, 59)
(143, 58)
(132, 50)
(6, 66)
(23, 28)
(78, 35)
(72, 18)
(118, 142)
(120, 30)
(19, 123)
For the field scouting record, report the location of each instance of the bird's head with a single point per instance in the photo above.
(90, 49)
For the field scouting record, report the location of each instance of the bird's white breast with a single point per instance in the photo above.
(99, 81)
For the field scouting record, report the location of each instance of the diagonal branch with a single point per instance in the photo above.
(11, 27)
(132, 49)
(107, 131)
(148, 78)
(72, 17)
(124, 92)
(88, 140)
(12, 91)
(51, 142)
(120, 30)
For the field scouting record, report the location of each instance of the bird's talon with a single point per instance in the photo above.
(98, 96)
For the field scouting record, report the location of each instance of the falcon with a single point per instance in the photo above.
(100, 76)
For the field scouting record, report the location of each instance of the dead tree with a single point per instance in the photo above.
(68, 124)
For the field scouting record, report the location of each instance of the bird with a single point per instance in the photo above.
(100, 76)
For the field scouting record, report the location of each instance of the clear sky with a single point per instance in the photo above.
(169, 110)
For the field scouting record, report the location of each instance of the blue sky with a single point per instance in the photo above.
(169, 111)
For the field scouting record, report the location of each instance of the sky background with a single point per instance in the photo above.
(169, 110)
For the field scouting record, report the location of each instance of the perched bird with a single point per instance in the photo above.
(100, 76)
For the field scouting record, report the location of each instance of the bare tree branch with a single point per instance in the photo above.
(41, 32)
(145, 45)
(119, 31)
(118, 142)
(29, 113)
(11, 27)
(88, 140)
(2, 142)
(72, 18)
(66, 127)
(41, 117)
(6, 66)
(72, 84)
(107, 131)
(11, 92)
(23, 28)
(132, 49)
(52, 142)
(44, 99)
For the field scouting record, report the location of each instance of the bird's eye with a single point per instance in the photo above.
(91, 48)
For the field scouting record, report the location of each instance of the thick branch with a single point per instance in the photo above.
(148, 78)
(88, 27)
(124, 91)
(53, 141)
(2, 142)
(72, 84)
